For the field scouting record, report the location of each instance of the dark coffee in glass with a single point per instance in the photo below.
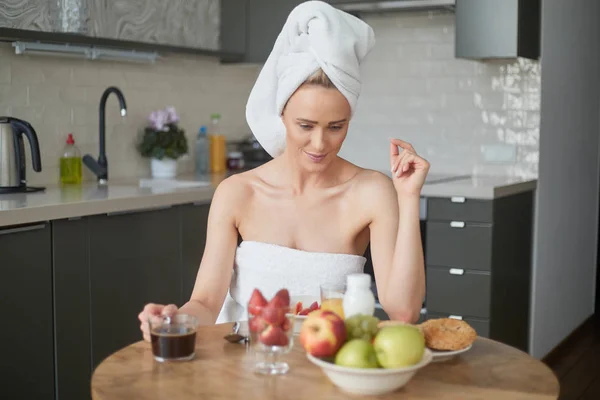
(173, 339)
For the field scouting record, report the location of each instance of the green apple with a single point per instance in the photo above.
(357, 353)
(399, 346)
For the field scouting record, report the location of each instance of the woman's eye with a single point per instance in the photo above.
(335, 128)
(305, 126)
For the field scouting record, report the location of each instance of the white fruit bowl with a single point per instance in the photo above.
(306, 300)
(369, 381)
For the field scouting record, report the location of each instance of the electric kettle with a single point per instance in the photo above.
(12, 155)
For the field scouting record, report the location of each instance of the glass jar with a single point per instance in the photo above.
(235, 160)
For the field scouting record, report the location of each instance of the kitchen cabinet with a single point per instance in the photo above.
(251, 27)
(498, 29)
(134, 260)
(194, 221)
(193, 24)
(71, 261)
(478, 264)
(27, 336)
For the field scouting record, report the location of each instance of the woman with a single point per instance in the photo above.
(307, 216)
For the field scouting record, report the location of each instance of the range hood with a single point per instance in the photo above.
(362, 6)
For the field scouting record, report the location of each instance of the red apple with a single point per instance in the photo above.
(322, 333)
(257, 302)
(273, 336)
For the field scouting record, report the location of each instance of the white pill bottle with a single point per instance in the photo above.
(358, 298)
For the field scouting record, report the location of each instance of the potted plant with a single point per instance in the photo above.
(164, 142)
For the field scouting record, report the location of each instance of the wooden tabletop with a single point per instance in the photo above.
(223, 370)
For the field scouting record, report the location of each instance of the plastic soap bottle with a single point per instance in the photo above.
(359, 298)
(218, 146)
(70, 163)
(202, 152)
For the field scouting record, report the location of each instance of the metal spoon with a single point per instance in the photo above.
(234, 336)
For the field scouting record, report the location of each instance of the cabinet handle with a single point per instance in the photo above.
(457, 224)
(457, 199)
(457, 271)
(141, 210)
(455, 317)
(22, 229)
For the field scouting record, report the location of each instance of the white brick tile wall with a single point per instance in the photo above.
(449, 109)
(60, 95)
(413, 88)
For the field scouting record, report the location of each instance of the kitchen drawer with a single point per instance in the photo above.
(459, 209)
(467, 295)
(481, 326)
(469, 247)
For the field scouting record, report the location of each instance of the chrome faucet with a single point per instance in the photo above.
(100, 167)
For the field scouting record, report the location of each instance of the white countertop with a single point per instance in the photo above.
(126, 195)
(58, 202)
(480, 187)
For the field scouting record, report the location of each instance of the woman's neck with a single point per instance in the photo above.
(300, 179)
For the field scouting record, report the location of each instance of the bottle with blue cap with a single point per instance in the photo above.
(202, 152)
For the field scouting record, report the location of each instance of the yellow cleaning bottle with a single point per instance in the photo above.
(70, 163)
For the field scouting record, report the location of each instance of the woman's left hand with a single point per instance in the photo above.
(408, 169)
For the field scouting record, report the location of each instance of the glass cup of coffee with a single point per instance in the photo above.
(173, 338)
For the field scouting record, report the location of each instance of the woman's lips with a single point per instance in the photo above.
(315, 157)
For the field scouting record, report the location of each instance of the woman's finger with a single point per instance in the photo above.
(403, 144)
(169, 310)
(397, 164)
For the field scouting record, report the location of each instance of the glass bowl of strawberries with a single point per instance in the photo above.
(271, 328)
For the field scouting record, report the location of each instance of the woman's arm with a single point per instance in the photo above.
(216, 267)
(214, 274)
(396, 247)
(397, 251)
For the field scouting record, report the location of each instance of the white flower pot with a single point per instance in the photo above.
(165, 168)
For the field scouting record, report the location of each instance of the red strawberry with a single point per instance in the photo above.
(286, 325)
(274, 315)
(273, 336)
(257, 324)
(282, 298)
(314, 306)
(257, 302)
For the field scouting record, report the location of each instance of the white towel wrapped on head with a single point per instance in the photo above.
(315, 35)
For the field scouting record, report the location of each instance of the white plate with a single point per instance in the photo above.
(306, 300)
(440, 355)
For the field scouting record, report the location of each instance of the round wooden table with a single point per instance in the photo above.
(223, 370)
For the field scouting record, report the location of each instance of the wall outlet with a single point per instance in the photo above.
(499, 153)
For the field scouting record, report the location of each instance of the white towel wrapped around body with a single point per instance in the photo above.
(270, 267)
(315, 35)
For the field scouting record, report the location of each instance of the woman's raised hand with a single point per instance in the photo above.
(409, 170)
(154, 310)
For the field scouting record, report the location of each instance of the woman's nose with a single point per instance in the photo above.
(318, 140)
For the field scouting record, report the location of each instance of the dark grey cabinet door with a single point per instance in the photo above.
(27, 339)
(194, 221)
(253, 26)
(134, 260)
(72, 308)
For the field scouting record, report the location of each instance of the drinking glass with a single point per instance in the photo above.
(332, 296)
(271, 336)
(173, 338)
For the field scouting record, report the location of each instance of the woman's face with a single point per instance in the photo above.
(316, 120)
